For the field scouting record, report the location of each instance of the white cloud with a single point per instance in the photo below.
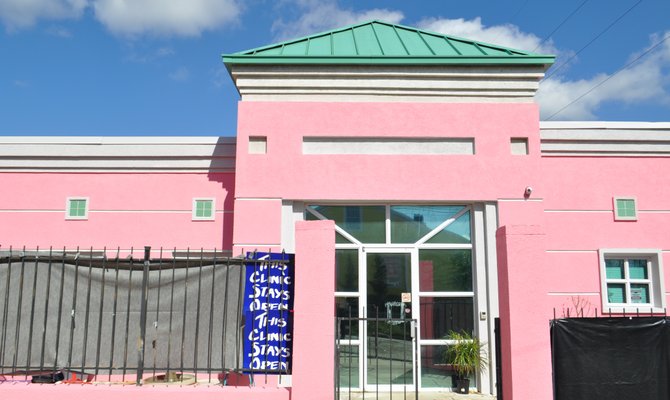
(646, 80)
(17, 14)
(506, 35)
(322, 15)
(59, 31)
(181, 74)
(165, 17)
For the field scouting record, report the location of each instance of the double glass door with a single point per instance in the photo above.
(405, 279)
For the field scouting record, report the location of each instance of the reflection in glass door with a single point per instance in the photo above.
(389, 336)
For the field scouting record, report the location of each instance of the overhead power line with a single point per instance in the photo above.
(561, 24)
(563, 64)
(652, 48)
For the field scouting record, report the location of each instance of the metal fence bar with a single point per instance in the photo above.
(18, 313)
(116, 296)
(183, 323)
(32, 317)
(88, 307)
(5, 310)
(197, 320)
(143, 316)
(210, 325)
(130, 288)
(46, 307)
(100, 313)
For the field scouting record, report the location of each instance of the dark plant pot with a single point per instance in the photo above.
(463, 386)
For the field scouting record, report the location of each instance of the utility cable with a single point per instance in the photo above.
(563, 64)
(519, 10)
(560, 25)
(610, 77)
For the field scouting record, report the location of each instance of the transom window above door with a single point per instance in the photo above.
(397, 224)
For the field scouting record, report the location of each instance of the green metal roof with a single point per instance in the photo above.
(377, 42)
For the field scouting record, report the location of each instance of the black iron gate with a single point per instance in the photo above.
(374, 355)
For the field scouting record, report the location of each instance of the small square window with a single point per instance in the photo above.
(258, 145)
(625, 209)
(203, 209)
(632, 281)
(76, 208)
(519, 146)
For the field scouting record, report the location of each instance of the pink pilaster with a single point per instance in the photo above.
(314, 305)
(525, 346)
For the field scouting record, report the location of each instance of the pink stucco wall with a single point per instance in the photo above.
(126, 210)
(284, 172)
(548, 271)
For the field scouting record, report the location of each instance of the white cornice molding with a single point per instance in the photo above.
(604, 138)
(387, 83)
(116, 154)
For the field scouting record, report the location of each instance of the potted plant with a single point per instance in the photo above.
(466, 355)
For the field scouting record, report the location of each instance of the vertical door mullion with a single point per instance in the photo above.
(416, 313)
(387, 224)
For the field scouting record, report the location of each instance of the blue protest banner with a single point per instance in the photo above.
(268, 308)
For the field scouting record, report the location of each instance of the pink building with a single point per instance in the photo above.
(453, 207)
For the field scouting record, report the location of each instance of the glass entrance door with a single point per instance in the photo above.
(389, 339)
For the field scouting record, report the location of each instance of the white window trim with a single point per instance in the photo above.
(193, 210)
(67, 208)
(656, 286)
(616, 214)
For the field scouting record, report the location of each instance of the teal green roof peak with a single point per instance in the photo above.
(381, 43)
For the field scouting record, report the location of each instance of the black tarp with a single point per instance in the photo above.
(85, 315)
(611, 358)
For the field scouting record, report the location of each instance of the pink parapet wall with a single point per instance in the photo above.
(285, 172)
(125, 210)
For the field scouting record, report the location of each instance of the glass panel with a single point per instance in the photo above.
(346, 270)
(614, 269)
(625, 207)
(439, 315)
(639, 293)
(389, 342)
(389, 352)
(365, 223)
(77, 208)
(616, 293)
(388, 276)
(341, 239)
(637, 269)
(347, 307)
(203, 208)
(456, 232)
(411, 223)
(445, 270)
(348, 366)
(435, 372)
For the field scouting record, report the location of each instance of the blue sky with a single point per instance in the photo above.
(153, 67)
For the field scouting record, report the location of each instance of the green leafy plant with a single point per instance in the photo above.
(467, 355)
